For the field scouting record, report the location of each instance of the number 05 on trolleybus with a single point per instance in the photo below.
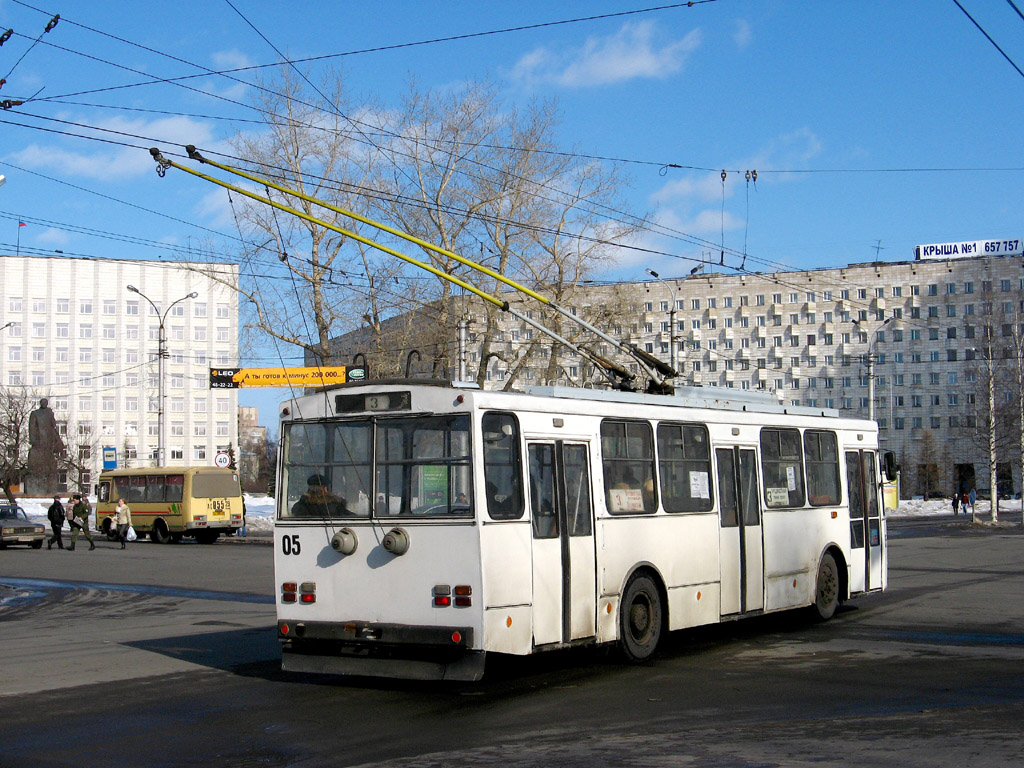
(421, 525)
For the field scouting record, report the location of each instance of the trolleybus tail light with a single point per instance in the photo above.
(462, 595)
(442, 595)
(307, 592)
(288, 592)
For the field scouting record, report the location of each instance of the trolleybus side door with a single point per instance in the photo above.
(564, 567)
(866, 536)
(740, 540)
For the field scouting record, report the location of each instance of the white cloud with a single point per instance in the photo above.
(109, 163)
(51, 236)
(743, 34)
(215, 208)
(631, 53)
(693, 202)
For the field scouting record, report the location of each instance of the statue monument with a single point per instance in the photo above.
(45, 447)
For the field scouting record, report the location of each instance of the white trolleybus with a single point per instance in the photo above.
(422, 525)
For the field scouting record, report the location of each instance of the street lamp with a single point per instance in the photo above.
(161, 354)
(871, 364)
(673, 299)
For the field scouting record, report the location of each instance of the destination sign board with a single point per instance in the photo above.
(235, 378)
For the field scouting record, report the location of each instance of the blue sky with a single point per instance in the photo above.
(871, 124)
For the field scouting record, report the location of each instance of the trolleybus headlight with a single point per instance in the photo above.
(344, 542)
(396, 541)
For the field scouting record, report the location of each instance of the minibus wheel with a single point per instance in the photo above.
(826, 591)
(159, 534)
(110, 530)
(640, 618)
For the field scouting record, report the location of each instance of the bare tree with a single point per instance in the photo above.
(16, 404)
(321, 282)
(481, 180)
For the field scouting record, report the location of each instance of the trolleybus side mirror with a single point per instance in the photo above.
(889, 466)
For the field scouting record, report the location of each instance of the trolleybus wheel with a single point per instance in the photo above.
(159, 534)
(110, 530)
(640, 619)
(826, 593)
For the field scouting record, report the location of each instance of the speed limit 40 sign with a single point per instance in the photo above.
(222, 460)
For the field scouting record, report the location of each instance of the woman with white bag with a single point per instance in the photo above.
(123, 520)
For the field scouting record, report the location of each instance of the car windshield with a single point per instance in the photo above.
(12, 513)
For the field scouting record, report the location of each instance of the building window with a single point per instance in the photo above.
(131, 308)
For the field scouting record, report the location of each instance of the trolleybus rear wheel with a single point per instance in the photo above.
(640, 619)
(826, 593)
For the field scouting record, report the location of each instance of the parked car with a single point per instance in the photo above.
(16, 528)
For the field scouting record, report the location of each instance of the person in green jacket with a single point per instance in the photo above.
(80, 521)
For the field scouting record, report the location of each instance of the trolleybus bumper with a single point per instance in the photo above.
(380, 650)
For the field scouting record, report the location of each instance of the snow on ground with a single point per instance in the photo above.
(260, 509)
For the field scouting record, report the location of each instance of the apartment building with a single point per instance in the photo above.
(909, 343)
(85, 333)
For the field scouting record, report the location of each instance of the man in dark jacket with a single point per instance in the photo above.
(56, 515)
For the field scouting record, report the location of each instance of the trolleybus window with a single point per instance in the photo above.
(684, 459)
(821, 453)
(502, 473)
(782, 467)
(423, 465)
(328, 469)
(628, 449)
(542, 491)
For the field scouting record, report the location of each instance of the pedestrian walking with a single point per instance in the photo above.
(123, 520)
(80, 521)
(57, 515)
(956, 503)
(972, 498)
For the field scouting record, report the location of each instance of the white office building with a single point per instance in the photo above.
(75, 333)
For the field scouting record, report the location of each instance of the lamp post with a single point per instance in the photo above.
(161, 354)
(871, 364)
(674, 298)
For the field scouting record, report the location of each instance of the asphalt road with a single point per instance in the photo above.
(103, 665)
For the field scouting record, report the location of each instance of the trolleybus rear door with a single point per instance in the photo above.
(741, 544)
(866, 536)
(564, 568)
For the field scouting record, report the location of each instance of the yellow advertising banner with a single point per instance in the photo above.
(234, 378)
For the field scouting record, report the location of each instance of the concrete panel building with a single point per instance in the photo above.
(72, 331)
(911, 343)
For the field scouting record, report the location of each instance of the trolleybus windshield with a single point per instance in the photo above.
(407, 466)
